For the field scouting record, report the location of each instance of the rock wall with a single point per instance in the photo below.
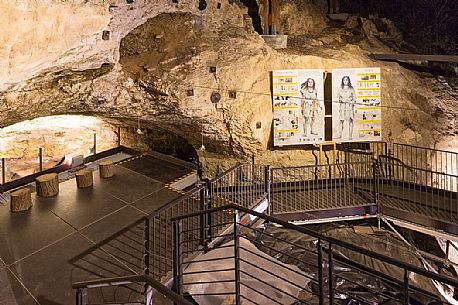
(170, 52)
(43, 36)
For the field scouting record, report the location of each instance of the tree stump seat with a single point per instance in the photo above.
(106, 169)
(84, 178)
(47, 185)
(21, 200)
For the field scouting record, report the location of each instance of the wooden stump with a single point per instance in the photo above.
(21, 200)
(106, 169)
(47, 185)
(84, 178)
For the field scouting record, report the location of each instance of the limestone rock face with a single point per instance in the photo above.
(302, 17)
(43, 36)
(158, 71)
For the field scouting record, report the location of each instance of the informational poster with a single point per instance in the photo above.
(356, 105)
(298, 106)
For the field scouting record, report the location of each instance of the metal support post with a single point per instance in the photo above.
(119, 136)
(267, 177)
(203, 220)
(406, 287)
(375, 178)
(236, 257)
(252, 169)
(346, 161)
(95, 143)
(40, 158)
(390, 165)
(331, 275)
(3, 171)
(209, 194)
(147, 246)
(148, 297)
(81, 296)
(177, 257)
(320, 272)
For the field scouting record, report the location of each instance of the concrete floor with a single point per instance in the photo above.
(37, 247)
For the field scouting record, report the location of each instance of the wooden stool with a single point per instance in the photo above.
(47, 185)
(84, 178)
(106, 169)
(21, 200)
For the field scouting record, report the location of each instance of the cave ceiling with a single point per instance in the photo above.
(162, 61)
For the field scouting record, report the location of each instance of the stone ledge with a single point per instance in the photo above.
(276, 41)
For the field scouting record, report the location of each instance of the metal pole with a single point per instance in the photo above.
(119, 136)
(40, 158)
(320, 272)
(147, 246)
(3, 171)
(447, 249)
(203, 219)
(81, 296)
(267, 190)
(148, 297)
(252, 168)
(346, 161)
(177, 257)
(95, 143)
(236, 257)
(330, 275)
(406, 287)
(375, 184)
(209, 200)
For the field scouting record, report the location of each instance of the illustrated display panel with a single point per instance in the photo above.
(356, 105)
(298, 107)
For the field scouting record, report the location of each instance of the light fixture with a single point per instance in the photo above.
(202, 147)
(139, 130)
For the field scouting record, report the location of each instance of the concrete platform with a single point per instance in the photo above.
(37, 246)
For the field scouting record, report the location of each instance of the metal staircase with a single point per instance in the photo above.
(407, 183)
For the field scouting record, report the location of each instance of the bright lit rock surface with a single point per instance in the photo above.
(157, 51)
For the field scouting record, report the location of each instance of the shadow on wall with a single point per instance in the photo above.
(162, 141)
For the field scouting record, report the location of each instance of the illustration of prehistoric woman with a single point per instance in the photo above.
(309, 104)
(346, 96)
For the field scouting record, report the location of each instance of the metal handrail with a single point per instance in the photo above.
(7, 186)
(426, 148)
(334, 241)
(189, 194)
(133, 279)
(317, 166)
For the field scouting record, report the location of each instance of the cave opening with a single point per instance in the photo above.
(52, 137)
(163, 141)
(253, 12)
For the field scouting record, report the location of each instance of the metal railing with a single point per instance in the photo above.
(428, 167)
(142, 285)
(243, 184)
(42, 164)
(414, 184)
(313, 188)
(374, 183)
(146, 246)
(326, 263)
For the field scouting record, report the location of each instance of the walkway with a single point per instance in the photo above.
(36, 246)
